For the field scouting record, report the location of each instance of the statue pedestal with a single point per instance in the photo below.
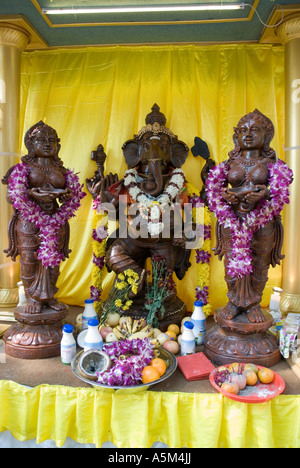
(238, 340)
(35, 336)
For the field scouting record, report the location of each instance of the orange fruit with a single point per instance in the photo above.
(171, 334)
(159, 364)
(174, 328)
(251, 377)
(149, 374)
(251, 367)
(230, 387)
(265, 375)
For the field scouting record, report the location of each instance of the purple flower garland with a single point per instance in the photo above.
(49, 225)
(240, 258)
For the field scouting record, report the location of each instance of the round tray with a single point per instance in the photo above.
(168, 357)
(258, 393)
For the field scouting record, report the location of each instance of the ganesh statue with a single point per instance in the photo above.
(44, 195)
(247, 193)
(148, 202)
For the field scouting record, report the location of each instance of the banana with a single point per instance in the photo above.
(141, 335)
(119, 333)
(129, 324)
(136, 325)
(155, 343)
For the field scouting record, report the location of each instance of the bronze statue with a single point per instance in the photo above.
(45, 195)
(153, 183)
(247, 193)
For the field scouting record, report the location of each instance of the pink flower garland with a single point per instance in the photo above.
(48, 225)
(240, 258)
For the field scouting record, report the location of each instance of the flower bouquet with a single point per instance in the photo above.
(118, 300)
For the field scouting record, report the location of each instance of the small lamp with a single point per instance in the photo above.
(275, 300)
(22, 297)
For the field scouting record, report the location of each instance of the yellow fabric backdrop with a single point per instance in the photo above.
(93, 416)
(102, 95)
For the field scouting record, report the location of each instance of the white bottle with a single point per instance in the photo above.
(67, 345)
(88, 313)
(199, 320)
(93, 339)
(188, 342)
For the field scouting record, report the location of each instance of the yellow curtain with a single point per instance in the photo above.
(102, 95)
(93, 416)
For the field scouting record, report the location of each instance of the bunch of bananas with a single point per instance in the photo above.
(131, 329)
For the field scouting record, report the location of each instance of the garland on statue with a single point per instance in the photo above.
(100, 234)
(203, 255)
(242, 230)
(49, 225)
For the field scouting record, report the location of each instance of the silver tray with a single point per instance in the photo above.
(168, 357)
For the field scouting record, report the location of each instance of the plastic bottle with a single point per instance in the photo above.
(88, 313)
(199, 320)
(67, 345)
(93, 339)
(188, 342)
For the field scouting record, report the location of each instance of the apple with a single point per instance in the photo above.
(104, 331)
(172, 346)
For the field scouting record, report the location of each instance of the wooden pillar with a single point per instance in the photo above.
(289, 33)
(13, 41)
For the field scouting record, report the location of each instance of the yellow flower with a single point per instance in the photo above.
(129, 272)
(118, 303)
(125, 307)
(134, 289)
(121, 276)
(131, 280)
(128, 303)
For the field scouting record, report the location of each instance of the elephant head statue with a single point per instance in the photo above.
(154, 151)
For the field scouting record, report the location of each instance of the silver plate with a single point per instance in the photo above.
(168, 357)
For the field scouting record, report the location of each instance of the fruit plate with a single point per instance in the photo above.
(258, 393)
(164, 354)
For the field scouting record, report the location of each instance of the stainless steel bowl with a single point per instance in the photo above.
(168, 357)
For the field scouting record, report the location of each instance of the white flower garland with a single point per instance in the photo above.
(150, 207)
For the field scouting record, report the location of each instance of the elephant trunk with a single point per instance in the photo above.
(154, 185)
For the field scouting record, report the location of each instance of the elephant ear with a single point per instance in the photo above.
(131, 153)
(179, 153)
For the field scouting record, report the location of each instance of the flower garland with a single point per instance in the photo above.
(99, 237)
(129, 357)
(150, 207)
(49, 225)
(202, 217)
(240, 258)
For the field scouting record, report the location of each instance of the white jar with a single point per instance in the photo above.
(93, 339)
(67, 345)
(88, 313)
(199, 320)
(188, 343)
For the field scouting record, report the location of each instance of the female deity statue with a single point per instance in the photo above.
(247, 193)
(45, 195)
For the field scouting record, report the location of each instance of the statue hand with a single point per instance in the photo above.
(229, 196)
(94, 185)
(105, 195)
(41, 196)
(258, 194)
(66, 195)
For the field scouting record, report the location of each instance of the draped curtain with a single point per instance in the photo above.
(102, 95)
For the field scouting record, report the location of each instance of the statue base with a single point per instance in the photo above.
(35, 336)
(175, 310)
(238, 340)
